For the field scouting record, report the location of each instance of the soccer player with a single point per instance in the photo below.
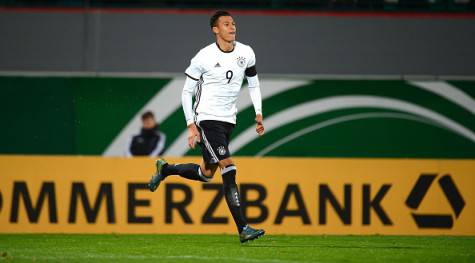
(215, 77)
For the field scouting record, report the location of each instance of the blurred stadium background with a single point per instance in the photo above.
(368, 104)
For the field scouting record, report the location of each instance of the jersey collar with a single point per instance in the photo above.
(234, 47)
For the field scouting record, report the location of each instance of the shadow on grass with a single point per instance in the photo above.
(5, 256)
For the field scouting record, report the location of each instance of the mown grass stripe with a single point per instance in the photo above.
(226, 248)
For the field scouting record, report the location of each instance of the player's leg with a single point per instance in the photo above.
(214, 147)
(209, 169)
(191, 171)
(233, 200)
(231, 193)
(229, 173)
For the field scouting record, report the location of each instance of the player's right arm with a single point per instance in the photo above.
(193, 73)
(187, 104)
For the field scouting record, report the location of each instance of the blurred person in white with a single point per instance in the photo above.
(214, 77)
(150, 141)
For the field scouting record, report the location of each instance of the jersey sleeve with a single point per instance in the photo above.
(187, 99)
(252, 58)
(251, 65)
(195, 69)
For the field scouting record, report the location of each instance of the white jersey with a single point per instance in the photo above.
(219, 75)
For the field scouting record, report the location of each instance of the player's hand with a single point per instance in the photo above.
(259, 125)
(193, 135)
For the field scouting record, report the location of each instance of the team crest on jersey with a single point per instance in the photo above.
(241, 61)
(221, 150)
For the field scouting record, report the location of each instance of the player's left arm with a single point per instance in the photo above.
(255, 92)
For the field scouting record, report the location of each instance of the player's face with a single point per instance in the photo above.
(225, 28)
(149, 123)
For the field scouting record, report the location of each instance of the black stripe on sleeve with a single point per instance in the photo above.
(195, 79)
(197, 98)
(251, 72)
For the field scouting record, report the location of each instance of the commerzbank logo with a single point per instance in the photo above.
(452, 194)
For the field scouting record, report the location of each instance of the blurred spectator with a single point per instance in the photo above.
(150, 141)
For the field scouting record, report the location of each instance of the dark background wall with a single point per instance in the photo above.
(155, 41)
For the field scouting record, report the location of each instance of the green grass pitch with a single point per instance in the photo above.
(226, 248)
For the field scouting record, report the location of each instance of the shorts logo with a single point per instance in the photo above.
(221, 150)
(241, 61)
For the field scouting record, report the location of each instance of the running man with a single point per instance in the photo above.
(215, 77)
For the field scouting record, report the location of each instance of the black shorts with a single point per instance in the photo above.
(215, 136)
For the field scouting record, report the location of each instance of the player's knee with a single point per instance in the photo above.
(229, 174)
(207, 176)
(225, 163)
(207, 172)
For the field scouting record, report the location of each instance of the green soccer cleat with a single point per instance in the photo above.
(158, 177)
(248, 233)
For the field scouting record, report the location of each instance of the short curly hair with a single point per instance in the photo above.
(214, 19)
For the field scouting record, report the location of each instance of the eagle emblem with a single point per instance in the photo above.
(241, 61)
